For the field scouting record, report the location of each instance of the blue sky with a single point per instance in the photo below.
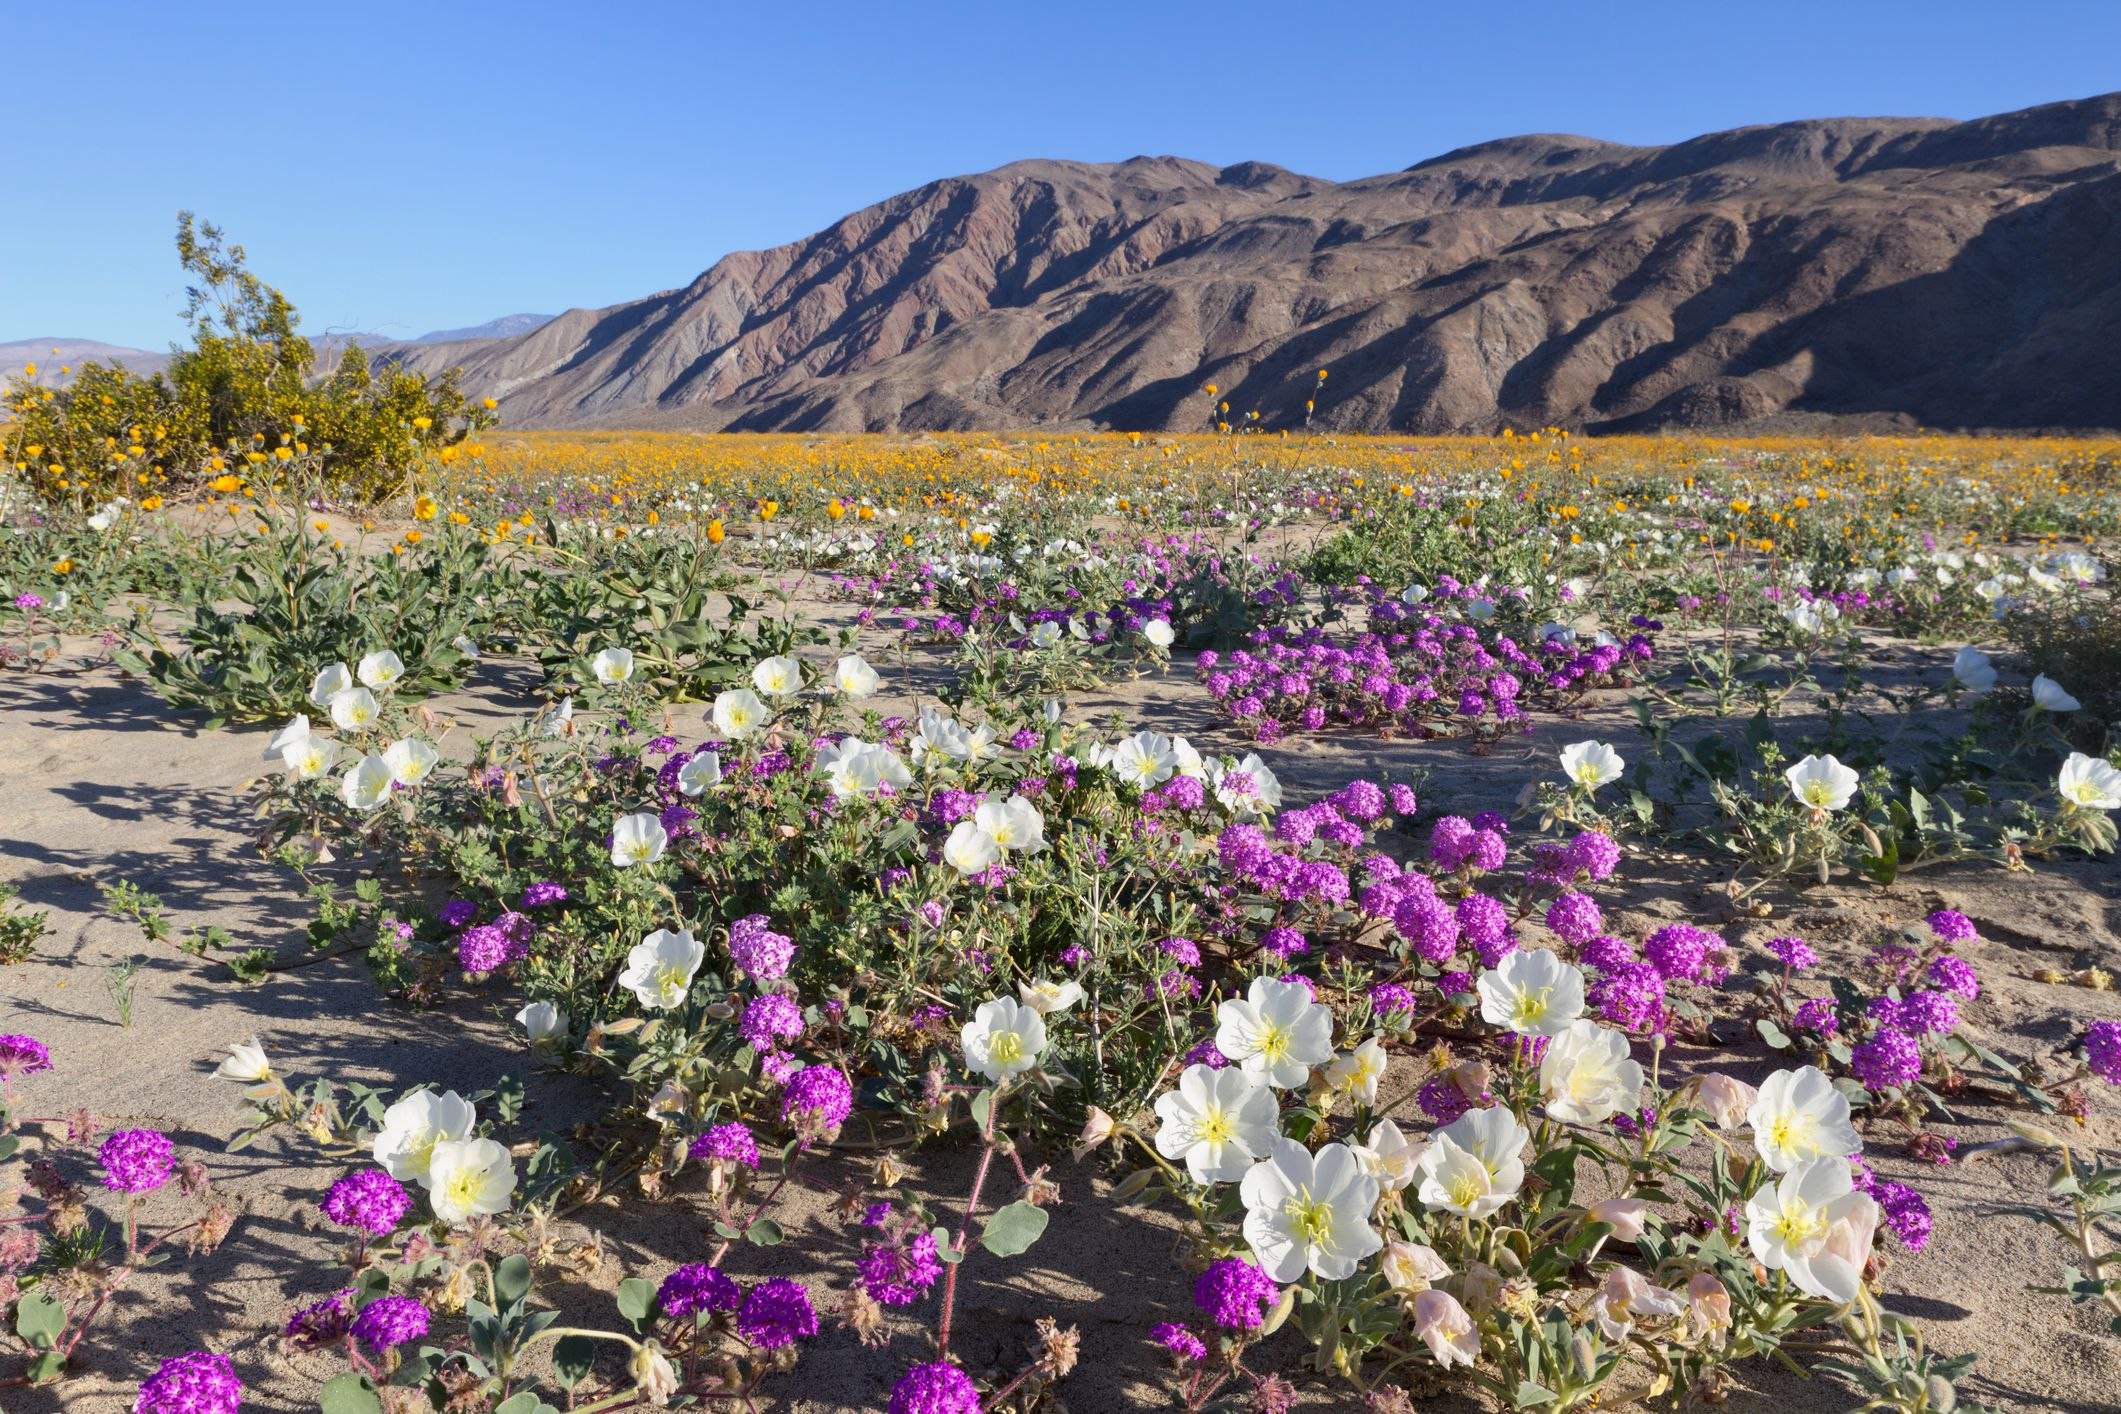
(404, 167)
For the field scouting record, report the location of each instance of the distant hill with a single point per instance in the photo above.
(1894, 271)
(51, 355)
(507, 326)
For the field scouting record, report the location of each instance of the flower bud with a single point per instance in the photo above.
(1098, 1128)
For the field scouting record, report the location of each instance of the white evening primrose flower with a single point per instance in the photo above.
(1309, 1212)
(1587, 1075)
(2052, 696)
(310, 757)
(660, 969)
(1389, 1156)
(558, 718)
(1799, 1115)
(412, 1127)
(1144, 760)
(853, 676)
(779, 676)
(411, 761)
(1821, 782)
(1413, 594)
(246, 1062)
(638, 839)
(1533, 993)
(1275, 1031)
(970, 850)
(1813, 1225)
(701, 770)
(1446, 1328)
(329, 684)
(1003, 1039)
(470, 1178)
(1216, 1123)
(1591, 764)
(1357, 1073)
(1410, 1267)
(1973, 670)
(1045, 633)
(103, 519)
(1158, 633)
(465, 644)
(543, 1023)
(294, 733)
(380, 669)
(1046, 997)
(1626, 1297)
(1455, 1180)
(1727, 1099)
(1013, 824)
(612, 665)
(366, 784)
(738, 713)
(354, 710)
(1495, 1139)
(2089, 781)
(1624, 1215)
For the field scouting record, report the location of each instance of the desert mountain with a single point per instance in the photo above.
(51, 355)
(507, 326)
(1916, 271)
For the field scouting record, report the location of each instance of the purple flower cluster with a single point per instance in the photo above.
(937, 1387)
(1889, 1059)
(759, 952)
(900, 1276)
(1415, 672)
(1817, 1014)
(2102, 1050)
(544, 892)
(777, 1313)
(1796, 953)
(198, 1383)
(22, 1055)
(368, 1199)
(730, 1143)
(1679, 952)
(137, 1160)
(1906, 1212)
(695, 1288)
(770, 1019)
(1575, 918)
(325, 1323)
(818, 1098)
(1178, 1340)
(1952, 926)
(1234, 1294)
(1955, 974)
(389, 1322)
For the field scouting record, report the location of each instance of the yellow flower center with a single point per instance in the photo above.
(1801, 1228)
(1309, 1219)
(670, 980)
(463, 1187)
(1464, 1190)
(1005, 1048)
(1531, 1006)
(1274, 1041)
(1215, 1127)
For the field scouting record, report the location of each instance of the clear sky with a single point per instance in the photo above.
(404, 167)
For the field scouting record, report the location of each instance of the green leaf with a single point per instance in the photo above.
(511, 1279)
(1774, 1035)
(350, 1393)
(573, 1358)
(39, 1320)
(764, 1233)
(525, 1403)
(1013, 1229)
(1527, 1395)
(636, 1300)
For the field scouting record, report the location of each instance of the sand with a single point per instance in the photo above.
(99, 781)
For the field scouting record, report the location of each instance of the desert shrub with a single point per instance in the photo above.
(2077, 643)
(241, 397)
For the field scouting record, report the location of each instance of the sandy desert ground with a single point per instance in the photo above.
(100, 782)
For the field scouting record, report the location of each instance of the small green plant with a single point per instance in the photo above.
(19, 927)
(120, 979)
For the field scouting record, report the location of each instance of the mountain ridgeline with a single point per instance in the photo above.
(1882, 272)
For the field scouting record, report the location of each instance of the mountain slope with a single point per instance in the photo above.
(1919, 270)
